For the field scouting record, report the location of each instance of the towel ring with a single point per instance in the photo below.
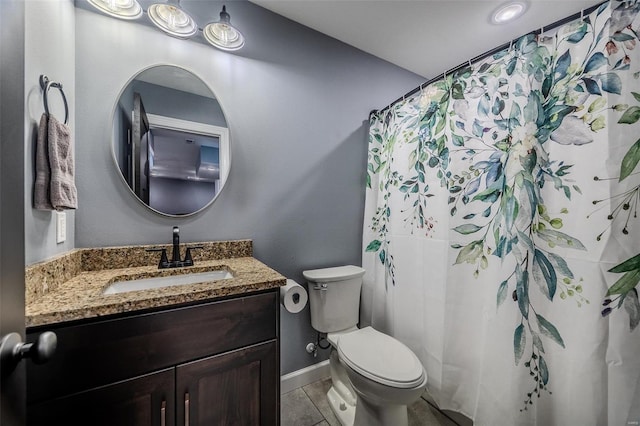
(46, 84)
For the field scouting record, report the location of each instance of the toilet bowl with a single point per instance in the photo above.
(384, 374)
(374, 376)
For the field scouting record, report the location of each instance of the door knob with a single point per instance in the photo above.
(13, 349)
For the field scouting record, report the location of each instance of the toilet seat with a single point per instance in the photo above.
(380, 358)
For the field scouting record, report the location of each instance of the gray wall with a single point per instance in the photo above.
(296, 103)
(50, 50)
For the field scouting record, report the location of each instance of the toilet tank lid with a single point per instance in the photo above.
(337, 273)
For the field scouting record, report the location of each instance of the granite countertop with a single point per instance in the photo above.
(70, 287)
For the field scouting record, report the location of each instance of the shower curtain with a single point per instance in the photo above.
(501, 230)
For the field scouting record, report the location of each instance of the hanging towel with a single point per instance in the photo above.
(62, 192)
(41, 200)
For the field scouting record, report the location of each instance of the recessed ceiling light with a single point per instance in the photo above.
(509, 11)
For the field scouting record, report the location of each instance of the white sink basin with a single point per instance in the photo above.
(168, 281)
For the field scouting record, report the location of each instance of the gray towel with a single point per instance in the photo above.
(41, 200)
(63, 194)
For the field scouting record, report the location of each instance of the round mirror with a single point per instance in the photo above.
(170, 140)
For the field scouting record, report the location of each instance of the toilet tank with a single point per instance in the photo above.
(334, 297)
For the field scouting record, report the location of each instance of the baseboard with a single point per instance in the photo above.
(304, 376)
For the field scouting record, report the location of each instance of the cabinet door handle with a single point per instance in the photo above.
(163, 414)
(186, 409)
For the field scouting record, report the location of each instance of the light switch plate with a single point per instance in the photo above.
(61, 227)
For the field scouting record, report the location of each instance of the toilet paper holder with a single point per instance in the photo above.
(293, 297)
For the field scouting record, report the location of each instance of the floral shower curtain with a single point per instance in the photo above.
(501, 230)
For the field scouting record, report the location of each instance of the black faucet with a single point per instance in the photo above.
(176, 245)
(175, 256)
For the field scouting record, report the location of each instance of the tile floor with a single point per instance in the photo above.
(308, 406)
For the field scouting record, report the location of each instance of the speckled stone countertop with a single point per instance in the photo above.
(70, 286)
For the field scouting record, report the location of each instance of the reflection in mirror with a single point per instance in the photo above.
(170, 140)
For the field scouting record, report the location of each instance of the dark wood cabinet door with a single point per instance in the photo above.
(143, 401)
(236, 388)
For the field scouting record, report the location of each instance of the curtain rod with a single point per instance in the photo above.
(492, 52)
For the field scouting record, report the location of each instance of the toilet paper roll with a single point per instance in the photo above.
(293, 297)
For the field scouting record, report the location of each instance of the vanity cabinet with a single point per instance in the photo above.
(228, 389)
(214, 363)
(147, 400)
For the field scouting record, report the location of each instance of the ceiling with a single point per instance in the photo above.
(427, 37)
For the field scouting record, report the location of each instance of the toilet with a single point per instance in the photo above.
(374, 376)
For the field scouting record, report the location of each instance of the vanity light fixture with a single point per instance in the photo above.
(122, 9)
(222, 34)
(509, 11)
(172, 19)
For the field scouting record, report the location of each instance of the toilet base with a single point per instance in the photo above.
(366, 414)
(370, 414)
(357, 401)
(344, 412)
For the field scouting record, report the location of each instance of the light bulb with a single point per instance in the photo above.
(172, 19)
(122, 9)
(222, 34)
